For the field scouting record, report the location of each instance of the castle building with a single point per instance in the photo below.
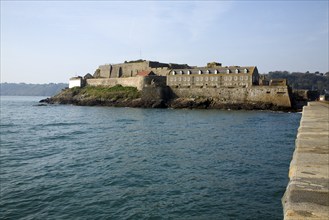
(233, 76)
(132, 68)
(227, 84)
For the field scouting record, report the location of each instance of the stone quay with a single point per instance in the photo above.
(307, 193)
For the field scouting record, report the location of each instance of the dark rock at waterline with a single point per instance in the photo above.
(155, 101)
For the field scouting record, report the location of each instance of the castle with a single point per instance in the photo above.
(227, 84)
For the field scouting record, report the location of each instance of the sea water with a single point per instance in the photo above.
(73, 162)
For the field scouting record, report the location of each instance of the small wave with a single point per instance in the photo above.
(126, 121)
(10, 125)
(62, 124)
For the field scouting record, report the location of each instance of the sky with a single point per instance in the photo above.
(51, 41)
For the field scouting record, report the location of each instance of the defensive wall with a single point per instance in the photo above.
(139, 81)
(130, 69)
(276, 95)
(307, 193)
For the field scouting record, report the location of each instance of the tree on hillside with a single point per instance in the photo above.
(297, 80)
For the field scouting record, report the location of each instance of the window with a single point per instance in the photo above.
(188, 72)
(208, 71)
(173, 72)
(236, 70)
(227, 71)
(200, 72)
(246, 77)
(181, 72)
(235, 78)
(216, 71)
(245, 70)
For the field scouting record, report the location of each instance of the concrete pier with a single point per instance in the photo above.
(307, 193)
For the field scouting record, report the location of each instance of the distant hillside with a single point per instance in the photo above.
(23, 89)
(297, 80)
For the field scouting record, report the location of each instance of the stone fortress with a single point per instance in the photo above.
(225, 84)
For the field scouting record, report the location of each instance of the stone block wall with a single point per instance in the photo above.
(139, 81)
(256, 94)
(130, 69)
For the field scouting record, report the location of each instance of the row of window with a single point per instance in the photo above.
(188, 72)
(226, 78)
(236, 84)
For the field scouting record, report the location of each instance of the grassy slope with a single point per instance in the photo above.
(101, 92)
(97, 93)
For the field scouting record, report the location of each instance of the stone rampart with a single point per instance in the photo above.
(139, 81)
(129, 69)
(307, 193)
(278, 95)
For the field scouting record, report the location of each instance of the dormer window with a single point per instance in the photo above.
(236, 70)
(245, 70)
(181, 72)
(173, 73)
(208, 71)
(200, 72)
(228, 71)
(216, 71)
(188, 72)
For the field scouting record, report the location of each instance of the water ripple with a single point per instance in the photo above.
(70, 162)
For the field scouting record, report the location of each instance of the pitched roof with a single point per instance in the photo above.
(145, 73)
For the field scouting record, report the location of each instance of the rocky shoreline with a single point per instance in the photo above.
(139, 100)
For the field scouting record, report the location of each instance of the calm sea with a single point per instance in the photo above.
(71, 162)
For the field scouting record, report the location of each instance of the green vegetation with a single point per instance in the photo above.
(102, 92)
(297, 80)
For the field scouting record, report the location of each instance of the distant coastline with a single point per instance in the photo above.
(24, 89)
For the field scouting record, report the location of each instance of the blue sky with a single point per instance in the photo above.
(51, 41)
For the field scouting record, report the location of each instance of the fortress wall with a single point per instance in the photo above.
(161, 71)
(276, 95)
(128, 69)
(159, 81)
(131, 69)
(101, 82)
(104, 71)
(137, 82)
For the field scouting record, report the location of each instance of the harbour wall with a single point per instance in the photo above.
(276, 95)
(307, 193)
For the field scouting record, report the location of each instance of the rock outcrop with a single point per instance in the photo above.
(151, 97)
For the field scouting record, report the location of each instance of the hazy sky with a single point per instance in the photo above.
(51, 41)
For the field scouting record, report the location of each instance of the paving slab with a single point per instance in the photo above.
(307, 193)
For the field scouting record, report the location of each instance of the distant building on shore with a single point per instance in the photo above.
(233, 84)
